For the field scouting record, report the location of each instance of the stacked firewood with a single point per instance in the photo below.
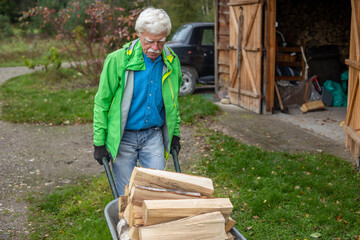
(165, 205)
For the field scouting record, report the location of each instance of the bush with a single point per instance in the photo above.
(88, 32)
(49, 61)
(5, 27)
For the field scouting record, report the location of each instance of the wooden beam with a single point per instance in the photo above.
(242, 2)
(269, 65)
(252, 49)
(244, 92)
(353, 96)
(208, 226)
(234, 76)
(250, 26)
(234, 19)
(216, 62)
(352, 63)
(354, 135)
(249, 72)
(355, 19)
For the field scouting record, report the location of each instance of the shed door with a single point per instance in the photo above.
(352, 122)
(245, 53)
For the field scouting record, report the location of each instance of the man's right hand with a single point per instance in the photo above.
(100, 152)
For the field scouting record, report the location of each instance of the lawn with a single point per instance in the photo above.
(32, 47)
(280, 195)
(52, 97)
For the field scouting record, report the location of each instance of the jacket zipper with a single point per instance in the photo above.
(171, 89)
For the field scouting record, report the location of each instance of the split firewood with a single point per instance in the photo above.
(133, 215)
(312, 106)
(209, 226)
(122, 203)
(160, 211)
(139, 193)
(171, 180)
(229, 224)
(228, 235)
(134, 233)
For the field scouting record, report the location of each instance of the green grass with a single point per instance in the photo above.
(32, 47)
(72, 212)
(65, 98)
(54, 97)
(194, 107)
(284, 196)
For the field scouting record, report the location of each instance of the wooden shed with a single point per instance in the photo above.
(247, 50)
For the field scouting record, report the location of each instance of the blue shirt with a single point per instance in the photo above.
(147, 105)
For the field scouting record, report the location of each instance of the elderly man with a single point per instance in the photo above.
(136, 112)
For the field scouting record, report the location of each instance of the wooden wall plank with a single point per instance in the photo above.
(224, 57)
(269, 62)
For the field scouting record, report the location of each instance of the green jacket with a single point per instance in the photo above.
(113, 99)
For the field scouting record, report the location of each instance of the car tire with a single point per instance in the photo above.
(188, 80)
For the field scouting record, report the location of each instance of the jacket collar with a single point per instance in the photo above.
(135, 60)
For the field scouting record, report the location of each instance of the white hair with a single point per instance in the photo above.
(154, 21)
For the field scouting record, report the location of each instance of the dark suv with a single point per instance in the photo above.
(194, 45)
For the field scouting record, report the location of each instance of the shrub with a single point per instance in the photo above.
(5, 27)
(49, 61)
(88, 40)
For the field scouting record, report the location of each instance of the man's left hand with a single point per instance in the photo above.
(175, 144)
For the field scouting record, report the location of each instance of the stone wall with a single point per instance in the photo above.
(317, 22)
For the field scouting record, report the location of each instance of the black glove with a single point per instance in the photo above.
(175, 144)
(100, 152)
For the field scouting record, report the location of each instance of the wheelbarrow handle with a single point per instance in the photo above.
(110, 177)
(176, 160)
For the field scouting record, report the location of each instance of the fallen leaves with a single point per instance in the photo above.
(315, 235)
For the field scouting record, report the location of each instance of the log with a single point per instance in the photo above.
(138, 194)
(122, 203)
(228, 235)
(229, 224)
(312, 106)
(209, 226)
(134, 233)
(171, 180)
(133, 215)
(160, 211)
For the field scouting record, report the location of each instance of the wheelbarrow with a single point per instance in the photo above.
(112, 208)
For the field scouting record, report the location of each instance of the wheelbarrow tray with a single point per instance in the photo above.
(112, 218)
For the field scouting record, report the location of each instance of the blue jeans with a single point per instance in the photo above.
(144, 145)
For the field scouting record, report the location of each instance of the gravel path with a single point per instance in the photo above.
(10, 72)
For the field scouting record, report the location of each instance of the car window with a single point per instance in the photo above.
(207, 37)
(181, 34)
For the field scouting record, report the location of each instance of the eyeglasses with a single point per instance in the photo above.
(158, 43)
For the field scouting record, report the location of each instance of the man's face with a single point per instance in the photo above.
(152, 44)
